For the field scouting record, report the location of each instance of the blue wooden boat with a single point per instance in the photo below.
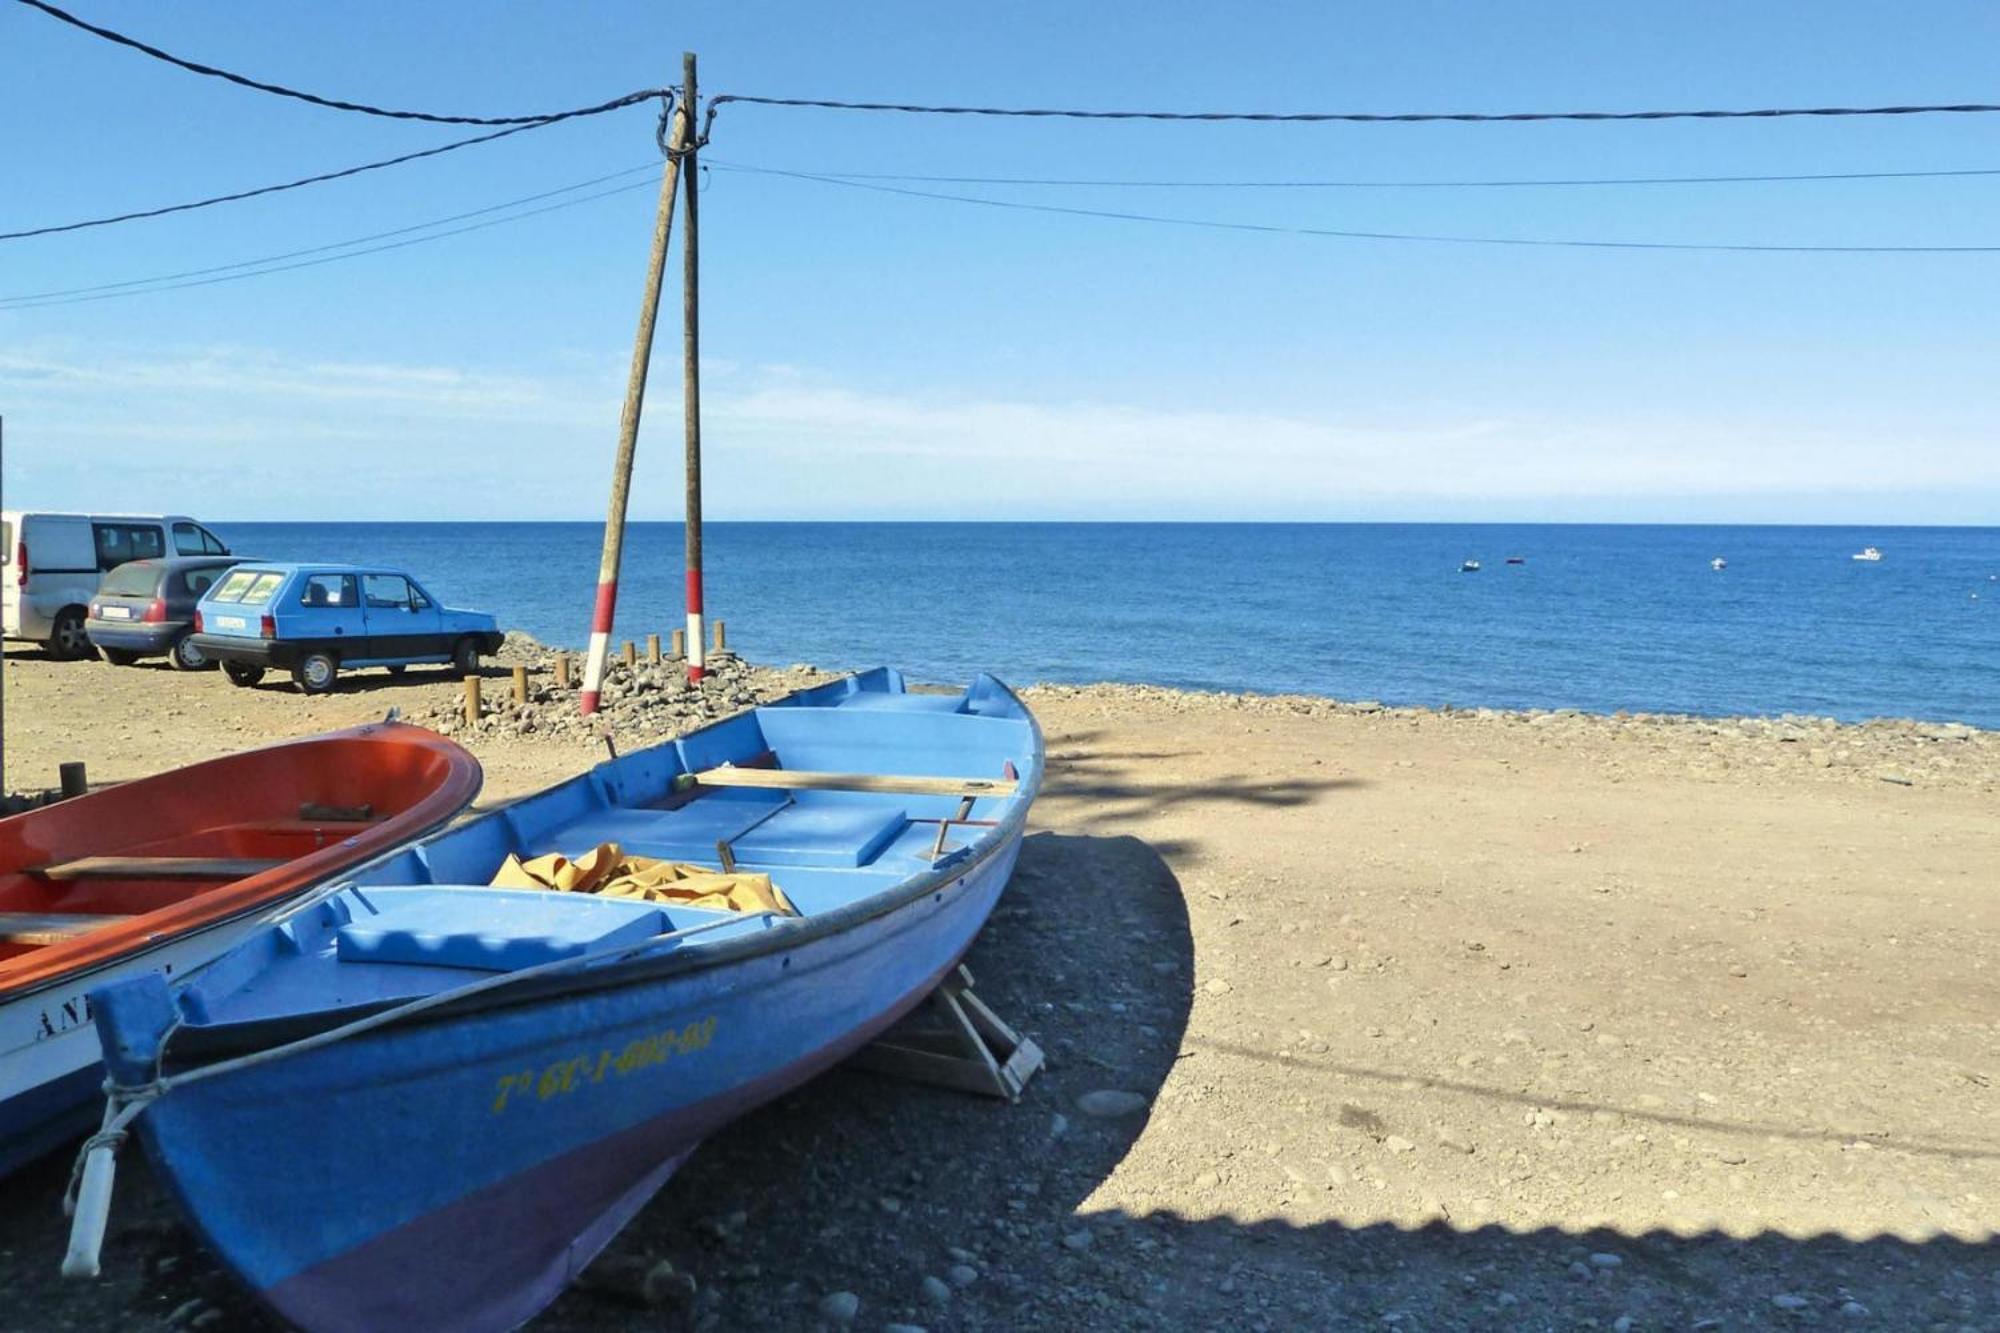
(420, 1102)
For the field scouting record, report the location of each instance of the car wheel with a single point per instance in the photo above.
(242, 673)
(396, 670)
(187, 657)
(465, 657)
(67, 640)
(316, 672)
(117, 656)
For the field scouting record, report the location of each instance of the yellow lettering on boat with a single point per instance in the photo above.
(559, 1078)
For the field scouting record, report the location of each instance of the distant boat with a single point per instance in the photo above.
(1469, 567)
(1870, 553)
(1517, 559)
(1718, 563)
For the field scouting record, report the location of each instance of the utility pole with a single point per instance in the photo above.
(691, 377)
(635, 398)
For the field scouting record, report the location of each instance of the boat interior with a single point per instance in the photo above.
(836, 794)
(116, 862)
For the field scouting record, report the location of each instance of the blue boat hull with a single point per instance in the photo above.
(458, 1169)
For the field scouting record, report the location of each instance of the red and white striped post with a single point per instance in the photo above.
(603, 613)
(697, 643)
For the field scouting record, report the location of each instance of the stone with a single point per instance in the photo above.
(1216, 986)
(1455, 1140)
(840, 1306)
(1207, 1180)
(936, 1291)
(1397, 1143)
(1079, 1240)
(1605, 1259)
(1785, 1300)
(1110, 1103)
(962, 1275)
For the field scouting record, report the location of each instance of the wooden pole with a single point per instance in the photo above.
(653, 648)
(603, 613)
(520, 685)
(562, 671)
(691, 373)
(721, 644)
(631, 654)
(679, 649)
(472, 701)
(73, 779)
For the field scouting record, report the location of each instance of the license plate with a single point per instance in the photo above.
(117, 612)
(232, 622)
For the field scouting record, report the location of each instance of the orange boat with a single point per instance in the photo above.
(165, 873)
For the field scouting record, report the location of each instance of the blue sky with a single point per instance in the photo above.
(870, 356)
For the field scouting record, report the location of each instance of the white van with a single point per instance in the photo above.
(50, 565)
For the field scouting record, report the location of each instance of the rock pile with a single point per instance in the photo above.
(649, 701)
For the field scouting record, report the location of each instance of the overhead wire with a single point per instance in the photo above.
(1476, 184)
(335, 104)
(1355, 117)
(1358, 235)
(251, 268)
(212, 200)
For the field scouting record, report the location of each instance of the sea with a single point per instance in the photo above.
(1600, 618)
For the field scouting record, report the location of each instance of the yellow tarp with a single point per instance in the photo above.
(606, 870)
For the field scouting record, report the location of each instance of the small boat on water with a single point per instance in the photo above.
(1868, 553)
(1469, 567)
(160, 875)
(1517, 559)
(1718, 564)
(422, 1101)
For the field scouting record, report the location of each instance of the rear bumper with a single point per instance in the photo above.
(253, 652)
(131, 638)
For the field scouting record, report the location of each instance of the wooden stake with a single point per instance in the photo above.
(520, 685)
(680, 644)
(562, 671)
(691, 376)
(73, 779)
(631, 654)
(635, 399)
(721, 645)
(653, 648)
(472, 701)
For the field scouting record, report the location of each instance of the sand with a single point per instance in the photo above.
(1434, 1020)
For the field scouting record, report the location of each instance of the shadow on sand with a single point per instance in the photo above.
(864, 1185)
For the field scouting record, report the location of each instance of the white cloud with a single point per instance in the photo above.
(238, 432)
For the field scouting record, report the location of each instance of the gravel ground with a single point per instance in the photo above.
(1427, 1021)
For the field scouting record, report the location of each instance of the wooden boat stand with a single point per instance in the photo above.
(968, 1048)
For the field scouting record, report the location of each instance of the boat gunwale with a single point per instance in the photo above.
(276, 887)
(208, 1043)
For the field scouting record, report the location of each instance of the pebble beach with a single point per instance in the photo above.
(1356, 1016)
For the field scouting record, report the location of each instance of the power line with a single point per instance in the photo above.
(194, 67)
(133, 289)
(269, 189)
(1121, 183)
(1429, 237)
(1353, 117)
(28, 298)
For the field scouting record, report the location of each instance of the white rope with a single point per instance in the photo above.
(87, 1201)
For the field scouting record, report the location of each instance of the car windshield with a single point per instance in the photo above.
(131, 581)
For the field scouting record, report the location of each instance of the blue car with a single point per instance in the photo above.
(315, 620)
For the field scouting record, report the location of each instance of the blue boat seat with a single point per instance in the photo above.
(842, 834)
(491, 930)
(904, 703)
(688, 833)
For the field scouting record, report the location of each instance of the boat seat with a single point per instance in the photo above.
(841, 836)
(492, 930)
(687, 833)
(155, 867)
(51, 927)
(883, 702)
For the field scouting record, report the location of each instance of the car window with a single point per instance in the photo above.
(198, 581)
(418, 601)
(261, 587)
(120, 542)
(187, 540)
(329, 590)
(234, 584)
(387, 592)
(210, 543)
(130, 581)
